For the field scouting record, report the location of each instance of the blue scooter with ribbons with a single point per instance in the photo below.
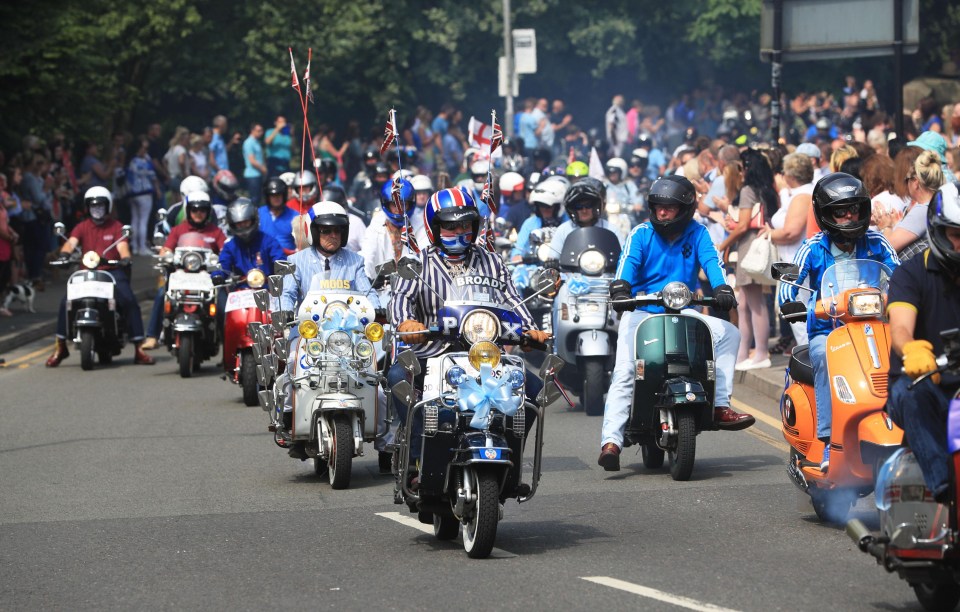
(468, 421)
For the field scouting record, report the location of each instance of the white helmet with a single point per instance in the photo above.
(191, 184)
(481, 166)
(287, 177)
(510, 182)
(402, 173)
(100, 199)
(309, 182)
(617, 163)
(468, 184)
(549, 193)
(421, 182)
(327, 213)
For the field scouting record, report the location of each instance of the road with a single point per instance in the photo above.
(130, 488)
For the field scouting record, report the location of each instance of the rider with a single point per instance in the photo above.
(670, 247)
(841, 206)
(334, 192)
(619, 188)
(324, 259)
(514, 207)
(250, 246)
(276, 219)
(453, 223)
(178, 212)
(545, 199)
(381, 242)
(93, 234)
(923, 301)
(584, 203)
(576, 171)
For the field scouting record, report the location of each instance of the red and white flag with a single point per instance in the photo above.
(295, 82)
(306, 77)
(481, 136)
(390, 132)
(408, 238)
(395, 193)
(489, 196)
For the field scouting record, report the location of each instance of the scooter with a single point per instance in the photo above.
(526, 275)
(240, 310)
(675, 381)
(584, 326)
(919, 539)
(93, 321)
(853, 296)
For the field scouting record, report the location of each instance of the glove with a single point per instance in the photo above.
(537, 336)
(621, 290)
(793, 311)
(125, 262)
(552, 264)
(724, 297)
(412, 326)
(918, 359)
(63, 257)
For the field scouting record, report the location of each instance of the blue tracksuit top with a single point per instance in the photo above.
(260, 252)
(648, 262)
(813, 259)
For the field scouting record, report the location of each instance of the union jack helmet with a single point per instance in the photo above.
(453, 204)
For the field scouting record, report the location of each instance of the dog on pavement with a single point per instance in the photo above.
(21, 292)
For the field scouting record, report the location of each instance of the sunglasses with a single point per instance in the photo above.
(326, 231)
(452, 226)
(845, 211)
(586, 206)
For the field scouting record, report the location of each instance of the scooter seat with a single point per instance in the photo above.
(801, 370)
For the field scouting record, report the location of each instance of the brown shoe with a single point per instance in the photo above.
(141, 358)
(60, 353)
(149, 344)
(609, 457)
(731, 420)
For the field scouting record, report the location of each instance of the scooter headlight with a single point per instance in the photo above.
(339, 344)
(91, 259)
(364, 349)
(480, 326)
(866, 304)
(676, 296)
(592, 261)
(484, 353)
(192, 262)
(308, 329)
(373, 332)
(256, 278)
(314, 348)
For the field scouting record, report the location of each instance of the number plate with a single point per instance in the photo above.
(90, 289)
(190, 281)
(239, 300)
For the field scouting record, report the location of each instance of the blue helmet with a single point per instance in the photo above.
(408, 196)
(453, 204)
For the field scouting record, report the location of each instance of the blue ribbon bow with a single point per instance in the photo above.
(340, 322)
(490, 392)
(578, 286)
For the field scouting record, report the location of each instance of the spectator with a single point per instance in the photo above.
(530, 123)
(756, 204)
(198, 158)
(931, 141)
(35, 191)
(142, 186)
(925, 117)
(255, 169)
(615, 121)
(878, 142)
(92, 171)
(177, 159)
(219, 146)
(547, 135)
(877, 176)
(908, 236)
(952, 133)
(278, 142)
(8, 238)
(559, 120)
(325, 147)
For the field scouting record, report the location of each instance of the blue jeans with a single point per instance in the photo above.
(155, 324)
(922, 413)
(821, 386)
(255, 188)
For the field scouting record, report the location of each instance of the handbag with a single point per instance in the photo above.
(756, 263)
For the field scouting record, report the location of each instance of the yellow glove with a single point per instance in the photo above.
(918, 359)
(537, 336)
(412, 326)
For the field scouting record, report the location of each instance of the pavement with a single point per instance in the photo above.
(25, 327)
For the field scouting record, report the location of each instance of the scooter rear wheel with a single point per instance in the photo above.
(87, 349)
(248, 379)
(937, 596)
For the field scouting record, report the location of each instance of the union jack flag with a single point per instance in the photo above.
(487, 236)
(295, 82)
(306, 77)
(488, 195)
(497, 138)
(390, 132)
(408, 239)
(395, 193)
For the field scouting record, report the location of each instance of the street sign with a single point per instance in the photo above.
(525, 51)
(836, 29)
(502, 80)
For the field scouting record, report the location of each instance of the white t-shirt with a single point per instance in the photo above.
(786, 252)
(172, 160)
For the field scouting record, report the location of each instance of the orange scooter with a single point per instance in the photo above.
(853, 296)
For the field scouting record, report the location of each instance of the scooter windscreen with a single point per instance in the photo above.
(481, 309)
(591, 250)
(195, 240)
(854, 274)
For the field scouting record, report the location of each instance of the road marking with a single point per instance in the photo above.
(27, 357)
(761, 435)
(409, 521)
(636, 589)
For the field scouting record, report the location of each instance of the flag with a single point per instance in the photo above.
(389, 132)
(497, 139)
(480, 136)
(408, 238)
(295, 82)
(395, 193)
(306, 77)
(488, 195)
(596, 168)
(489, 237)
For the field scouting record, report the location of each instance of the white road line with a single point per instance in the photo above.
(636, 589)
(409, 521)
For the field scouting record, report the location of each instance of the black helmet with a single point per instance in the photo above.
(587, 190)
(381, 168)
(240, 210)
(840, 190)
(328, 214)
(672, 189)
(327, 167)
(333, 192)
(370, 157)
(275, 186)
(225, 185)
(943, 213)
(543, 154)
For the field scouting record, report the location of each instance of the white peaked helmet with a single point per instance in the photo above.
(481, 166)
(287, 177)
(331, 214)
(549, 193)
(421, 182)
(510, 182)
(617, 163)
(402, 173)
(99, 197)
(191, 184)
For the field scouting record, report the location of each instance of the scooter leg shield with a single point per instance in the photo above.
(799, 417)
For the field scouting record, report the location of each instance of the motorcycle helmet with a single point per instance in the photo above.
(199, 201)
(555, 171)
(550, 193)
(478, 171)
(586, 192)
(191, 184)
(577, 170)
(328, 214)
(543, 155)
(640, 158)
(672, 189)
(617, 164)
(381, 174)
(274, 186)
(225, 185)
(327, 168)
(840, 190)
(402, 173)
(407, 196)
(239, 211)
(371, 157)
(942, 214)
(510, 182)
(335, 193)
(308, 182)
(421, 183)
(448, 205)
(288, 178)
(98, 203)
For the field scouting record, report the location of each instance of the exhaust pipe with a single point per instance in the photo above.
(796, 475)
(859, 533)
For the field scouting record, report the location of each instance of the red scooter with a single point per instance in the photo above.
(240, 310)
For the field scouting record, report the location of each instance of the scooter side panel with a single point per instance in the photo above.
(799, 418)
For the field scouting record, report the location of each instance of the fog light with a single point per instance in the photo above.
(456, 376)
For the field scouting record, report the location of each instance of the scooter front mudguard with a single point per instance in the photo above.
(879, 438)
(594, 343)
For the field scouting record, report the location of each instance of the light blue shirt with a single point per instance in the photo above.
(219, 151)
(344, 265)
(568, 227)
(279, 147)
(252, 146)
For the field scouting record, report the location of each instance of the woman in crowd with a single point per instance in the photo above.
(177, 159)
(142, 186)
(908, 236)
(198, 158)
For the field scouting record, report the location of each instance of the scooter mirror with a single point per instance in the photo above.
(780, 269)
(262, 299)
(265, 341)
(501, 225)
(545, 282)
(403, 392)
(409, 268)
(261, 378)
(280, 319)
(275, 285)
(284, 267)
(252, 328)
(161, 215)
(270, 363)
(549, 394)
(408, 359)
(59, 229)
(266, 400)
(550, 366)
(279, 346)
(159, 239)
(126, 231)
(257, 353)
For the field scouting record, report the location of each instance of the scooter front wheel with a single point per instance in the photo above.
(594, 375)
(686, 451)
(185, 355)
(341, 452)
(480, 531)
(248, 379)
(87, 349)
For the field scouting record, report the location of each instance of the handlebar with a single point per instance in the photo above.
(434, 333)
(656, 300)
